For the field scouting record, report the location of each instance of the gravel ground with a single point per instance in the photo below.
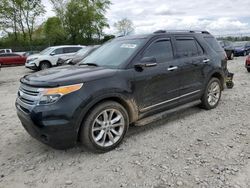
(195, 148)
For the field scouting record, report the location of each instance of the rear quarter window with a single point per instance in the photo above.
(71, 49)
(213, 43)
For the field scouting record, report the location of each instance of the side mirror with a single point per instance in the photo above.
(52, 53)
(146, 62)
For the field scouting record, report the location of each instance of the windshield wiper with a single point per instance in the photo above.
(89, 64)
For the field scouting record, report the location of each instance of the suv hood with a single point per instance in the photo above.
(34, 56)
(66, 75)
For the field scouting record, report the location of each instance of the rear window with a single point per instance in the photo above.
(187, 47)
(71, 49)
(213, 43)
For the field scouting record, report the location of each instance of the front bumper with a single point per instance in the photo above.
(54, 135)
(56, 124)
(31, 66)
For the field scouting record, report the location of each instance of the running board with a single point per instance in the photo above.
(165, 114)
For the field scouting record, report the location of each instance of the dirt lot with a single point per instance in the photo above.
(195, 148)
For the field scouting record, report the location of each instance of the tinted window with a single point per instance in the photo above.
(71, 49)
(212, 42)
(187, 47)
(8, 55)
(2, 51)
(58, 51)
(161, 50)
(16, 55)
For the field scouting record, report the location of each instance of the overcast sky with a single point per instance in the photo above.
(217, 16)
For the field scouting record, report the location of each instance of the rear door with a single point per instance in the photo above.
(192, 61)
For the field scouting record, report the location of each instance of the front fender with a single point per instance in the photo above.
(116, 95)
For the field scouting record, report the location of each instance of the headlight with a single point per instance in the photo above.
(32, 59)
(52, 95)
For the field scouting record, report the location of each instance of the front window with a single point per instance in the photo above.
(82, 51)
(161, 50)
(114, 53)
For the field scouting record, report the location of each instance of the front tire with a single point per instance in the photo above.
(212, 95)
(248, 69)
(104, 127)
(44, 65)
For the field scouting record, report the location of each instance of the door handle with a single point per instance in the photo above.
(172, 68)
(206, 60)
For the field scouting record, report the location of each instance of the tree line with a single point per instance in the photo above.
(75, 22)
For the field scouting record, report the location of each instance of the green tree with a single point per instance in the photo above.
(59, 8)
(20, 15)
(54, 31)
(9, 17)
(124, 27)
(85, 19)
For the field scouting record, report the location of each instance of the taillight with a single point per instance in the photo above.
(248, 60)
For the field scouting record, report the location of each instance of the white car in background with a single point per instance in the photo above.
(49, 57)
(4, 51)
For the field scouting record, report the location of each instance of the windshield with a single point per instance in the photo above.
(83, 51)
(114, 53)
(46, 51)
(239, 44)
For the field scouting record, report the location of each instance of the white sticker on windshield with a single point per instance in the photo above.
(128, 46)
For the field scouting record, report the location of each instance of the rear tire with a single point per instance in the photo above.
(212, 94)
(44, 65)
(248, 69)
(104, 127)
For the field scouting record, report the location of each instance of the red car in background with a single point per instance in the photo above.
(12, 59)
(248, 63)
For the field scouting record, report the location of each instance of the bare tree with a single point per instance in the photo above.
(124, 26)
(20, 15)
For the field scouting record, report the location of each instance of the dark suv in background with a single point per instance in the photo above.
(241, 48)
(228, 47)
(127, 80)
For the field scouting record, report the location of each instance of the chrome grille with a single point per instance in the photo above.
(28, 95)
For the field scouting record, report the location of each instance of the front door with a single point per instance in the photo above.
(157, 86)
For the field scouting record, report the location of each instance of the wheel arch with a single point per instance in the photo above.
(127, 103)
(45, 61)
(220, 77)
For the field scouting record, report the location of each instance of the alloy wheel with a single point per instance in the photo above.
(108, 127)
(214, 92)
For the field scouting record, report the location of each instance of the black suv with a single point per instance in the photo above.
(127, 80)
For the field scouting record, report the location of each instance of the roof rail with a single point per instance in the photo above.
(160, 31)
(184, 31)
